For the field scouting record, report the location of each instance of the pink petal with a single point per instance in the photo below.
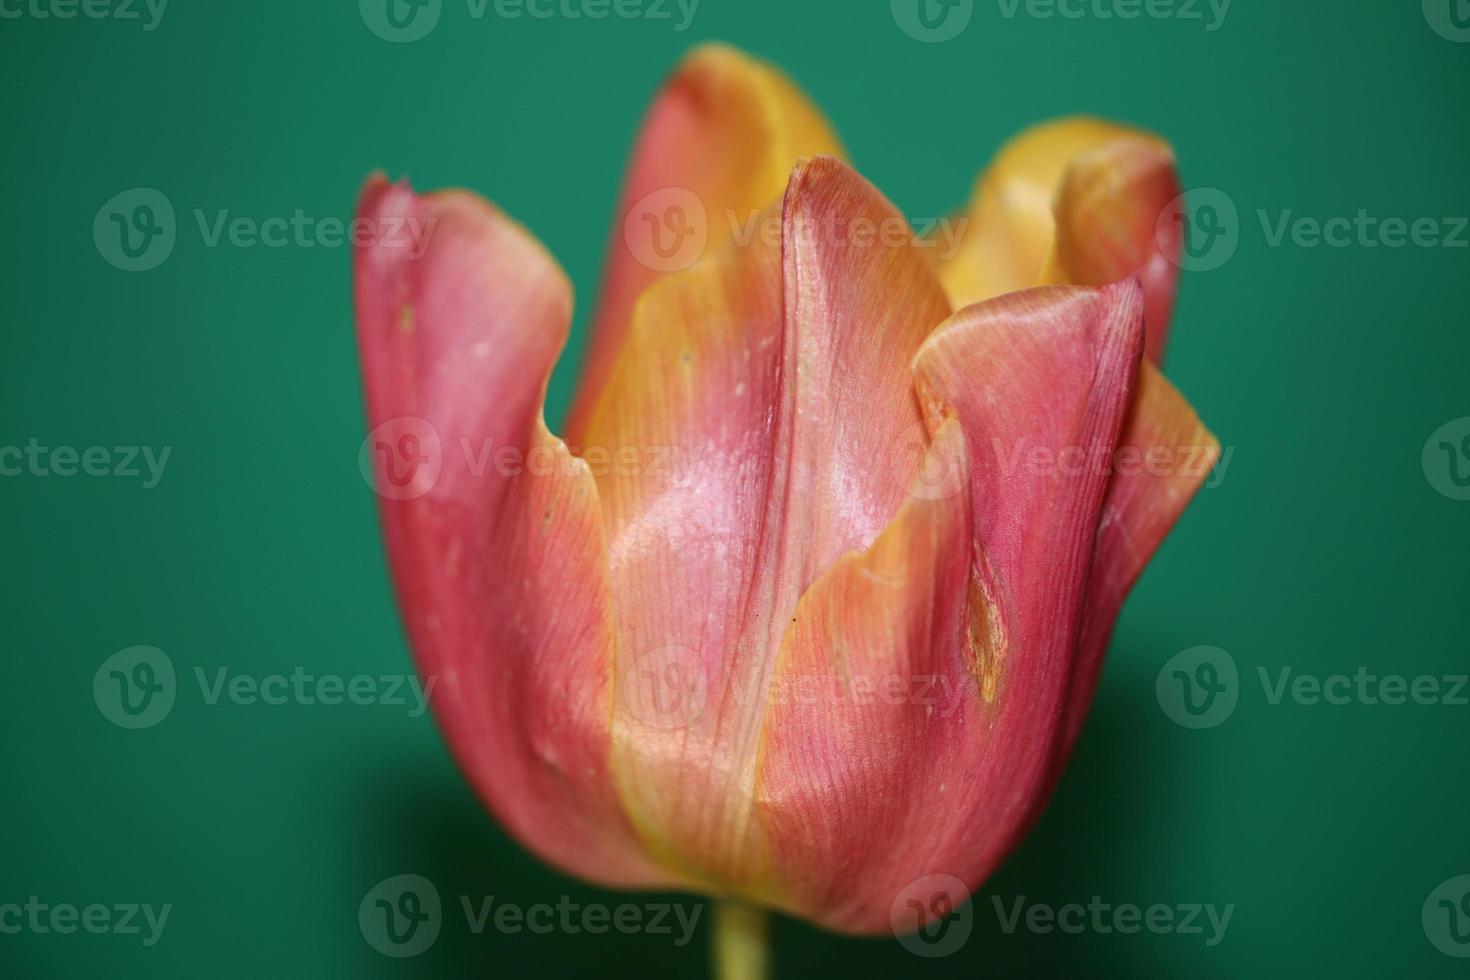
(499, 562)
(1163, 458)
(907, 791)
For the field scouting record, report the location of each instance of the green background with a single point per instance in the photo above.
(1324, 547)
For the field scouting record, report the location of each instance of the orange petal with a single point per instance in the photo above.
(493, 530)
(1073, 201)
(778, 373)
(715, 150)
(688, 405)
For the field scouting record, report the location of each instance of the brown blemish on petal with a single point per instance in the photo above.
(987, 639)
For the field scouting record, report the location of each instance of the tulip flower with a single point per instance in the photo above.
(810, 602)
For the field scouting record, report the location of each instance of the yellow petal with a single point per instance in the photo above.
(716, 148)
(1075, 201)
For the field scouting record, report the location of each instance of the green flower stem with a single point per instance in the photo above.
(741, 942)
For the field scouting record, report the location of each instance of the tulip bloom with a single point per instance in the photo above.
(812, 600)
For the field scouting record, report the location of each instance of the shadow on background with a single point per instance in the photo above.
(435, 820)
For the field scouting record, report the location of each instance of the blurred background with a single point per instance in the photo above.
(223, 524)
